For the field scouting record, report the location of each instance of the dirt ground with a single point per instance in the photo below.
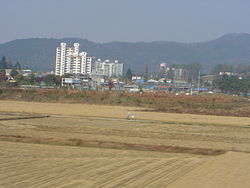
(94, 146)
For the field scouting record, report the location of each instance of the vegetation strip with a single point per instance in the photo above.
(151, 121)
(18, 118)
(112, 145)
(223, 105)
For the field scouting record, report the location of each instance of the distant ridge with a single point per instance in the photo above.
(39, 53)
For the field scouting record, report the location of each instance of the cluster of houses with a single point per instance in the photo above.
(7, 77)
(104, 82)
(6, 74)
(136, 84)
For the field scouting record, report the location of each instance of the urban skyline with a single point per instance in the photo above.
(69, 60)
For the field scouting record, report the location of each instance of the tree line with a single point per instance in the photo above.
(237, 68)
(233, 85)
(20, 79)
(7, 64)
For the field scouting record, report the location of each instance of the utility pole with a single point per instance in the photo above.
(199, 77)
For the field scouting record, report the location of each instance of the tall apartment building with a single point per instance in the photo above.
(108, 68)
(70, 60)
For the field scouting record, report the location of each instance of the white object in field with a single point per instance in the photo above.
(130, 116)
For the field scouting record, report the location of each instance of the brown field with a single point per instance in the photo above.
(94, 146)
(216, 104)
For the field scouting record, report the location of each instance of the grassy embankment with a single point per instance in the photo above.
(198, 104)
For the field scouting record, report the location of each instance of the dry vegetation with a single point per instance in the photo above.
(74, 148)
(29, 165)
(199, 104)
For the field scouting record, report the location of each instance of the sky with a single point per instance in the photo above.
(123, 20)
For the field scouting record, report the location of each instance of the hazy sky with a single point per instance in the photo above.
(123, 20)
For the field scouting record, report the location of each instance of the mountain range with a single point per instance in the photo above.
(39, 53)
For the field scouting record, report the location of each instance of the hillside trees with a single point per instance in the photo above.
(192, 69)
(129, 73)
(3, 63)
(51, 80)
(232, 85)
(6, 64)
(238, 68)
(17, 66)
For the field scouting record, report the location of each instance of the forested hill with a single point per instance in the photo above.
(39, 53)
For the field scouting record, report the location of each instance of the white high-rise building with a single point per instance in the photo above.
(70, 60)
(108, 68)
(60, 59)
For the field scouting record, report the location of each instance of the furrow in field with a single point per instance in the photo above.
(135, 177)
(160, 173)
(105, 169)
(31, 174)
(114, 173)
(57, 176)
(120, 173)
(179, 173)
(10, 162)
(24, 165)
(74, 185)
(74, 173)
(23, 169)
(172, 176)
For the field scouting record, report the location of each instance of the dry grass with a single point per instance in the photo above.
(75, 149)
(199, 104)
(117, 112)
(29, 165)
(230, 171)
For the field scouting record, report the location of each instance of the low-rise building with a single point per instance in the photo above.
(80, 81)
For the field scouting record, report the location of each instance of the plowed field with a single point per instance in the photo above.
(94, 146)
